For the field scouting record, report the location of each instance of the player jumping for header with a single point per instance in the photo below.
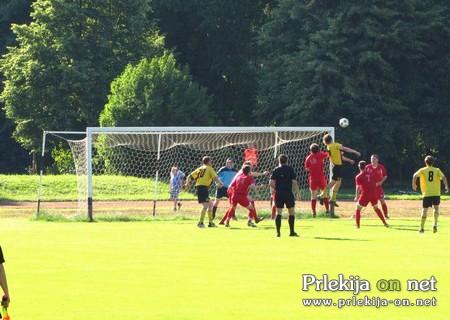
(335, 149)
(314, 163)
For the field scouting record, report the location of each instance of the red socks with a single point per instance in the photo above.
(358, 217)
(380, 215)
(385, 209)
(327, 204)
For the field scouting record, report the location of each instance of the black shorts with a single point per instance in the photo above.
(284, 198)
(221, 192)
(428, 202)
(202, 194)
(2, 259)
(337, 173)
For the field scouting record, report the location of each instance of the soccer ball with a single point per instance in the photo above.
(344, 122)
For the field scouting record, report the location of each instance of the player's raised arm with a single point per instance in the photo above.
(344, 158)
(350, 150)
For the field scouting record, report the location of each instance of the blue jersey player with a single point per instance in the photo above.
(226, 175)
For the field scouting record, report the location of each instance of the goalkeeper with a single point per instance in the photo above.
(204, 176)
(3, 282)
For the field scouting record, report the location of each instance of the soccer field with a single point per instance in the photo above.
(173, 270)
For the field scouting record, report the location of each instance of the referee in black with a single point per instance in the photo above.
(282, 180)
(3, 282)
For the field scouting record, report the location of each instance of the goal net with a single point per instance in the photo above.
(129, 169)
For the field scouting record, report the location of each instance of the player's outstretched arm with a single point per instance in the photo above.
(348, 159)
(259, 174)
(350, 150)
(219, 183)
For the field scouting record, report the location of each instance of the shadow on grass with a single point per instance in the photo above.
(339, 239)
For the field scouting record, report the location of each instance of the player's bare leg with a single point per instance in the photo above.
(325, 191)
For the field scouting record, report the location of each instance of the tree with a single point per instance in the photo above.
(327, 59)
(59, 75)
(16, 159)
(157, 92)
(216, 39)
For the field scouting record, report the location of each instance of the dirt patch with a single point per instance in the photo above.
(400, 208)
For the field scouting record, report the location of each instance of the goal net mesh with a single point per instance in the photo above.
(135, 167)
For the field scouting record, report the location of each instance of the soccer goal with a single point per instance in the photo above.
(133, 165)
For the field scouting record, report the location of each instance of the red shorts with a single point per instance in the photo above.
(315, 184)
(380, 192)
(241, 199)
(364, 200)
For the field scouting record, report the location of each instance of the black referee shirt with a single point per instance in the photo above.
(283, 176)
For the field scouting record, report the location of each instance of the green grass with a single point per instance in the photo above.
(64, 188)
(173, 270)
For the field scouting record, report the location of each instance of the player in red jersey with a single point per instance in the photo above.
(380, 176)
(314, 163)
(250, 199)
(239, 195)
(366, 191)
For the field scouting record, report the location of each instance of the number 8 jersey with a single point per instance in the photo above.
(430, 181)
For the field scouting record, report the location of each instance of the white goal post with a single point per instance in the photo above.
(125, 158)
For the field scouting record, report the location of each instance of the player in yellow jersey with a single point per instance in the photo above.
(335, 150)
(203, 177)
(430, 185)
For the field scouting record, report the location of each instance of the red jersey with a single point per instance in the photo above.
(378, 173)
(315, 163)
(252, 156)
(365, 180)
(241, 184)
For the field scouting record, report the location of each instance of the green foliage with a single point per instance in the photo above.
(59, 75)
(17, 158)
(330, 59)
(216, 39)
(63, 161)
(157, 92)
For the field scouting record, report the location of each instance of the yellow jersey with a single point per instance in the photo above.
(430, 181)
(335, 153)
(204, 175)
